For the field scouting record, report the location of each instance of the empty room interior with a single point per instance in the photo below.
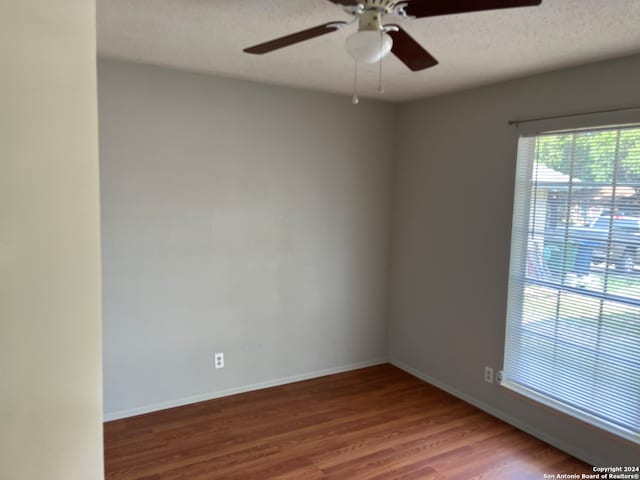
(320, 239)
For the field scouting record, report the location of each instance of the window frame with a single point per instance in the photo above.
(517, 267)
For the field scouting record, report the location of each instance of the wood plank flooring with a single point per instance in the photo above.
(374, 423)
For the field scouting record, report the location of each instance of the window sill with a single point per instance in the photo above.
(584, 419)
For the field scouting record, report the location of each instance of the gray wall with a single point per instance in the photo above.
(237, 218)
(50, 335)
(451, 232)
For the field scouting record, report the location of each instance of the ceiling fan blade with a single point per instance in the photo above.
(410, 52)
(432, 8)
(294, 38)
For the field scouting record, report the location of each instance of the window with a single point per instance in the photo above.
(573, 321)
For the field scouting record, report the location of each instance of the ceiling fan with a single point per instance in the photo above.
(375, 38)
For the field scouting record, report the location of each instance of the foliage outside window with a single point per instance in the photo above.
(573, 326)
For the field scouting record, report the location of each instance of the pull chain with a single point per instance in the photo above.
(380, 87)
(355, 100)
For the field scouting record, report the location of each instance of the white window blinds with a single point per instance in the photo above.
(573, 326)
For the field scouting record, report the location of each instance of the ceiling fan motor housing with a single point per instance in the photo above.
(374, 10)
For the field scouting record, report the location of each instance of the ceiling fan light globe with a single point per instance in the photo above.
(369, 46)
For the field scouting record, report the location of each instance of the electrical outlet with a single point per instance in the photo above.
(218, 360)
(488, 374)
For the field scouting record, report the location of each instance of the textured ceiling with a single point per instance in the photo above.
(473, 49)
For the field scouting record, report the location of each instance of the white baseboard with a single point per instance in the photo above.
(516, 422)
(179, 402)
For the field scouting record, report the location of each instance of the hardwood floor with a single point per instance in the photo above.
(375, 423)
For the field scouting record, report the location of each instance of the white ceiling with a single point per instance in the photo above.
(473, 49)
